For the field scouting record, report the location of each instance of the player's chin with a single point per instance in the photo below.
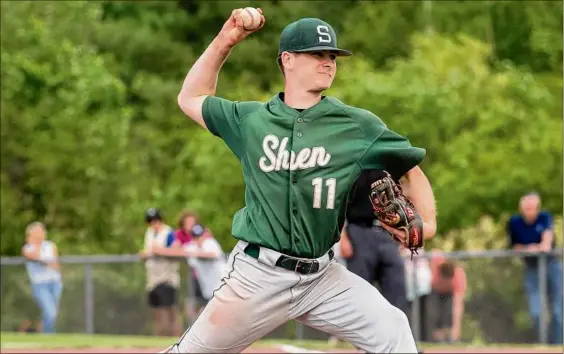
(324, 83)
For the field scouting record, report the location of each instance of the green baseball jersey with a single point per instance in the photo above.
(299, 167)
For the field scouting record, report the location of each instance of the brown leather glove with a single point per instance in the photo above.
(394, 209)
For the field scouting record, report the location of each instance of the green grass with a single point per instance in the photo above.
(31, 340)
(67, 340)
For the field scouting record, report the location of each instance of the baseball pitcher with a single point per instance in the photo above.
(300, 153)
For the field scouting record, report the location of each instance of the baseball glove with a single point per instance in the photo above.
(394, 209)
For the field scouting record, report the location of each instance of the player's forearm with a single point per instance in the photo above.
(202, 77)
(417, 188)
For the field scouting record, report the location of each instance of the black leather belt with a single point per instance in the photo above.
(293, 264)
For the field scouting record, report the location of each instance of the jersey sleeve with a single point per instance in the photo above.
(223, 119)
(392, 152)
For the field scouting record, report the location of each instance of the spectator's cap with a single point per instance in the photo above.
(308, 35)
(153, 214)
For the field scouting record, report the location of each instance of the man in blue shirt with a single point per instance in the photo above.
(532, 231)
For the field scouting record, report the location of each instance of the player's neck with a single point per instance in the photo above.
(300, 99)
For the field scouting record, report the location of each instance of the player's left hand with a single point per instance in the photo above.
(398, 234)
(396, 213)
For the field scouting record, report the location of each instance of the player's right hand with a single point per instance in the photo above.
(233, 31)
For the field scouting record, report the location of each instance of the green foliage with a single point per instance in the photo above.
(92, 135)
(484, 127)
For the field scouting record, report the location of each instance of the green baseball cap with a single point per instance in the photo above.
(308, 35)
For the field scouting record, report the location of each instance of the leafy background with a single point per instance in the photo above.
(91, 134)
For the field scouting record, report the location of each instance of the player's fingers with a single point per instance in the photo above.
(395, 232)
(262, 21)
(237, 18)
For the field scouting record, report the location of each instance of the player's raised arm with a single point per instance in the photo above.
(201, 80)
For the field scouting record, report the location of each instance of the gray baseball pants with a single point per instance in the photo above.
(256, 297)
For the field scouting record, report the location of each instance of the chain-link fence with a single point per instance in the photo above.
(106, 295)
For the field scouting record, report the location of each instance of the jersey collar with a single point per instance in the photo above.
(280, 108)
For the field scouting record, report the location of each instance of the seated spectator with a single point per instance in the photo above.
(418, 286)
(44, 273)
(532, 231)
(448, 283)
(163, 277)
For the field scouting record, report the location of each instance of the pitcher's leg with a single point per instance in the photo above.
(343, 304)
(250, 303)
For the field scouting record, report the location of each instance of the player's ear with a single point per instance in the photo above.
(287, 60)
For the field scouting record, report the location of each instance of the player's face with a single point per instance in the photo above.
(315, 70)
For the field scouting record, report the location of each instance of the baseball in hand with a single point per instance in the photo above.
(251, 18)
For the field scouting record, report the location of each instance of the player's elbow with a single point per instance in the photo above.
(192, 106)
(429, 229)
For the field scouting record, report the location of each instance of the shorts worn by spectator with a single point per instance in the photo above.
(449, 290)
(43, 270)
(532, 231)
(163, 278)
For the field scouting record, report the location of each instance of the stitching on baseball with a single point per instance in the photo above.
(252, 17)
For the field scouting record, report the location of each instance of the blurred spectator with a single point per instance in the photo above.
(418, 286)
(184, 235)
(532, 231)
(44, 273)
(448, 282)
(369, 250)
(163, 278)
(205, 257)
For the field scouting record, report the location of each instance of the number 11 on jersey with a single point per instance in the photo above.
(331, 184)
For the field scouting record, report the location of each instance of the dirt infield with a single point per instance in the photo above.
(281, 349)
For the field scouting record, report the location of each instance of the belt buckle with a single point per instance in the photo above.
(307, 266)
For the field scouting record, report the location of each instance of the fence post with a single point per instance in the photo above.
(88, 298)
(542, 258)
(191, 295)
(415, 318)
(299, 331)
